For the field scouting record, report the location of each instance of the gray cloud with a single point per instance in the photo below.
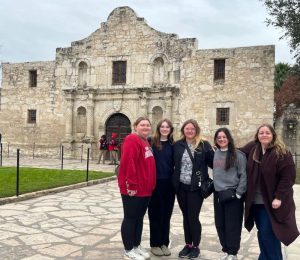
(31, 30)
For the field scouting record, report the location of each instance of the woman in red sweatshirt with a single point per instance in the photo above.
(136, 178)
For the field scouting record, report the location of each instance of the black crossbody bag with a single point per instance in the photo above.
(206, 184)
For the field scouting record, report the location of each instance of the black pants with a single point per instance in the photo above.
(190, 203)
(132, 225)
(160, 211)
(228, 221)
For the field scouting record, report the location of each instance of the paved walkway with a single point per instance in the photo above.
(85, 223)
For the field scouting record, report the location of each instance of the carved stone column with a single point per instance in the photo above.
(90, 119)
(69, 119)
(168, 105)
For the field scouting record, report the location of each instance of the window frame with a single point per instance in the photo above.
(31, 118)
(219, 69)
(222, 116)
(119, 70)
(32, 78)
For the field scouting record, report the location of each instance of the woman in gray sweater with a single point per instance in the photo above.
(230, 181)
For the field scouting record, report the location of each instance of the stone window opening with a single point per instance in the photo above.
(222, 117)
(31, 116)
(33, 78)
(158, 71)
(119, 72)
(219, 70)
(81, 122)
(82, 73)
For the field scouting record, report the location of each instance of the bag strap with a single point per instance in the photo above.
(189, 152)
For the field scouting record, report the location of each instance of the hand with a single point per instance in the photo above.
(276, 203)
(131, 193)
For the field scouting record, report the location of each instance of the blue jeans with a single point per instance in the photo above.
(270, 247)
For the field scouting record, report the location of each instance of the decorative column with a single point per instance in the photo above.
(69, 118)
(168, 105)
(90, 118)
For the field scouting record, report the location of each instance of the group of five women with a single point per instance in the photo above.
(259, 175)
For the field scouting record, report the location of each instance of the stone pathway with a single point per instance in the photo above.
(84, 223)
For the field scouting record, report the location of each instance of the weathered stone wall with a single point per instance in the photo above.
(182, 87)
(18, 97)
(247, 89)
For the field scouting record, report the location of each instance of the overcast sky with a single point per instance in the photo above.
(31, 30)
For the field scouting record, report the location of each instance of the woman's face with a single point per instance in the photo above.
(222, 140)
(265, 136)
(143, 128)
(164, 129)
(189, 131)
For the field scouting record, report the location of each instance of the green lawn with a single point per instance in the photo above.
(34, 179)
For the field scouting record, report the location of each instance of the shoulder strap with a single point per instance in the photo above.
(189, 152)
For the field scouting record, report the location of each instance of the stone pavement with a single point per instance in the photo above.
(84, 223)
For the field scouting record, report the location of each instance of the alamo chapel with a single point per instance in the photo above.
(126, 69)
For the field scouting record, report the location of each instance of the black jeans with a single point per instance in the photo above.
(190, 203)
(132, 225)
(228, 221)
(160, 211)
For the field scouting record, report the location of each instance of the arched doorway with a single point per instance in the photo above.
(120, 124)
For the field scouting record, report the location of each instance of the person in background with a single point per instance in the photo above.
(229, 174)
(162, 201)
(186, 180)
(102, 149)
(136, 179)
(269, 199)
(113, 149)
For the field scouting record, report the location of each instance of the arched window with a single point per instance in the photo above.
(82, 73)
(81, 120)
(157, 115)
(158, 71)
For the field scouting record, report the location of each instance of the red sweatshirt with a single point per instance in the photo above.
(137, 167)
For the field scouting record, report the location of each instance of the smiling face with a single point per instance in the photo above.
(264, 136)
(222, 140)
(164, 129)
(189, 131)
(143, 128)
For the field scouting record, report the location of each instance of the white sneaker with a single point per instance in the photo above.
(223, 257)
(139, 250)
(132, 255)
(231, 257)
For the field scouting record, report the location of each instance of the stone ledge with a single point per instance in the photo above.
(41, 193)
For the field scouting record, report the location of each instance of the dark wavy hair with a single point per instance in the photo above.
(156, 138)
(231, 153)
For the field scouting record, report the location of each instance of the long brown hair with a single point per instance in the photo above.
(157, 135)
(276, 144)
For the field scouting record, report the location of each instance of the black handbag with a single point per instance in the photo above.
(226, 195)
(206, 184)
(207, 187)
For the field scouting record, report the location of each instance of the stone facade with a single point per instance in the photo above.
(76, 98)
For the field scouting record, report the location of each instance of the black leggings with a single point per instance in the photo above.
(132, 225)
(190, 203)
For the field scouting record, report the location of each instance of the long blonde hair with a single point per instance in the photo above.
(279, 147)
(198, 139)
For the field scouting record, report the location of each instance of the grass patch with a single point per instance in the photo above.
(297, 176)
(35, 179)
